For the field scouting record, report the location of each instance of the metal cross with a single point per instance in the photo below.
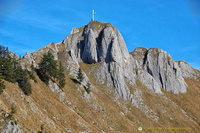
(93, 13)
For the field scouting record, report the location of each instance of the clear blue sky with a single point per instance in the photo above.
(172, 25)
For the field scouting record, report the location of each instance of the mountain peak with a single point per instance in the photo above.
(97, 42)
(94, 25)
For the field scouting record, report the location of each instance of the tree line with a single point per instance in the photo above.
(12, 71)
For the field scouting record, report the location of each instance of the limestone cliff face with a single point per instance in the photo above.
(102, 43)
(97, 42)
(165, 71)
(188, 72)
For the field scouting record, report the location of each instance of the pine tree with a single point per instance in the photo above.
(8, 70)
(80, 76)
(31, 74)
(2, 86)
(47, 68)
(88, 87)
(32, 67)
(3, 51)
(23, 81)
(61, 76)
(6, 65)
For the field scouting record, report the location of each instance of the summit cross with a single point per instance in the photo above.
(93, 13)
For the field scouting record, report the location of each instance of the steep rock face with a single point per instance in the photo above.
(138, 57)
(101, 42)
(97, 42)
(90, 51)
(188, 71)
(146, 79)
(165, 71)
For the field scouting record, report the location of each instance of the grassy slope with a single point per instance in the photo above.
(44, 107)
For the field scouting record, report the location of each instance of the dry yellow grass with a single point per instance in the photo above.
(102, 112)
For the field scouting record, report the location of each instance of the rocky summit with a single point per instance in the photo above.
(145, 88)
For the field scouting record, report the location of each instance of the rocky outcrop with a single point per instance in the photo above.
(102, 43)
(11, 127)
(36, 56)
(164, 70)
(138, 57)
(74, 30)
(146, 79)
(13, 55)
(187, 71)
(90, 51)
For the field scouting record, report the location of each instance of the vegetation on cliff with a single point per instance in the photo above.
(48, 70)
(11, 70)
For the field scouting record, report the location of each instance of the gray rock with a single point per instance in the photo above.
(53, 86)
(74, 30)
(103, 43)
(117, 77)
(95, 44)
(90, 51)
(138, 57)
(11, 127)
(147, 80)
(29, 58)
(166, 71)
(187, 71)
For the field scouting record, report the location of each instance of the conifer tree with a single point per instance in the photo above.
(80, 76)
(32, 67)
(2, 86)
(88, 87)
(7, 65)
(47, 68)
(23, 81)
(31, 74)
(11, 71)
(61, 75)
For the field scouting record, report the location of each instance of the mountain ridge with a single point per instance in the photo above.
(110, 39)
(145, 87)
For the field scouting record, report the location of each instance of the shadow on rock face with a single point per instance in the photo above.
(75, 81)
